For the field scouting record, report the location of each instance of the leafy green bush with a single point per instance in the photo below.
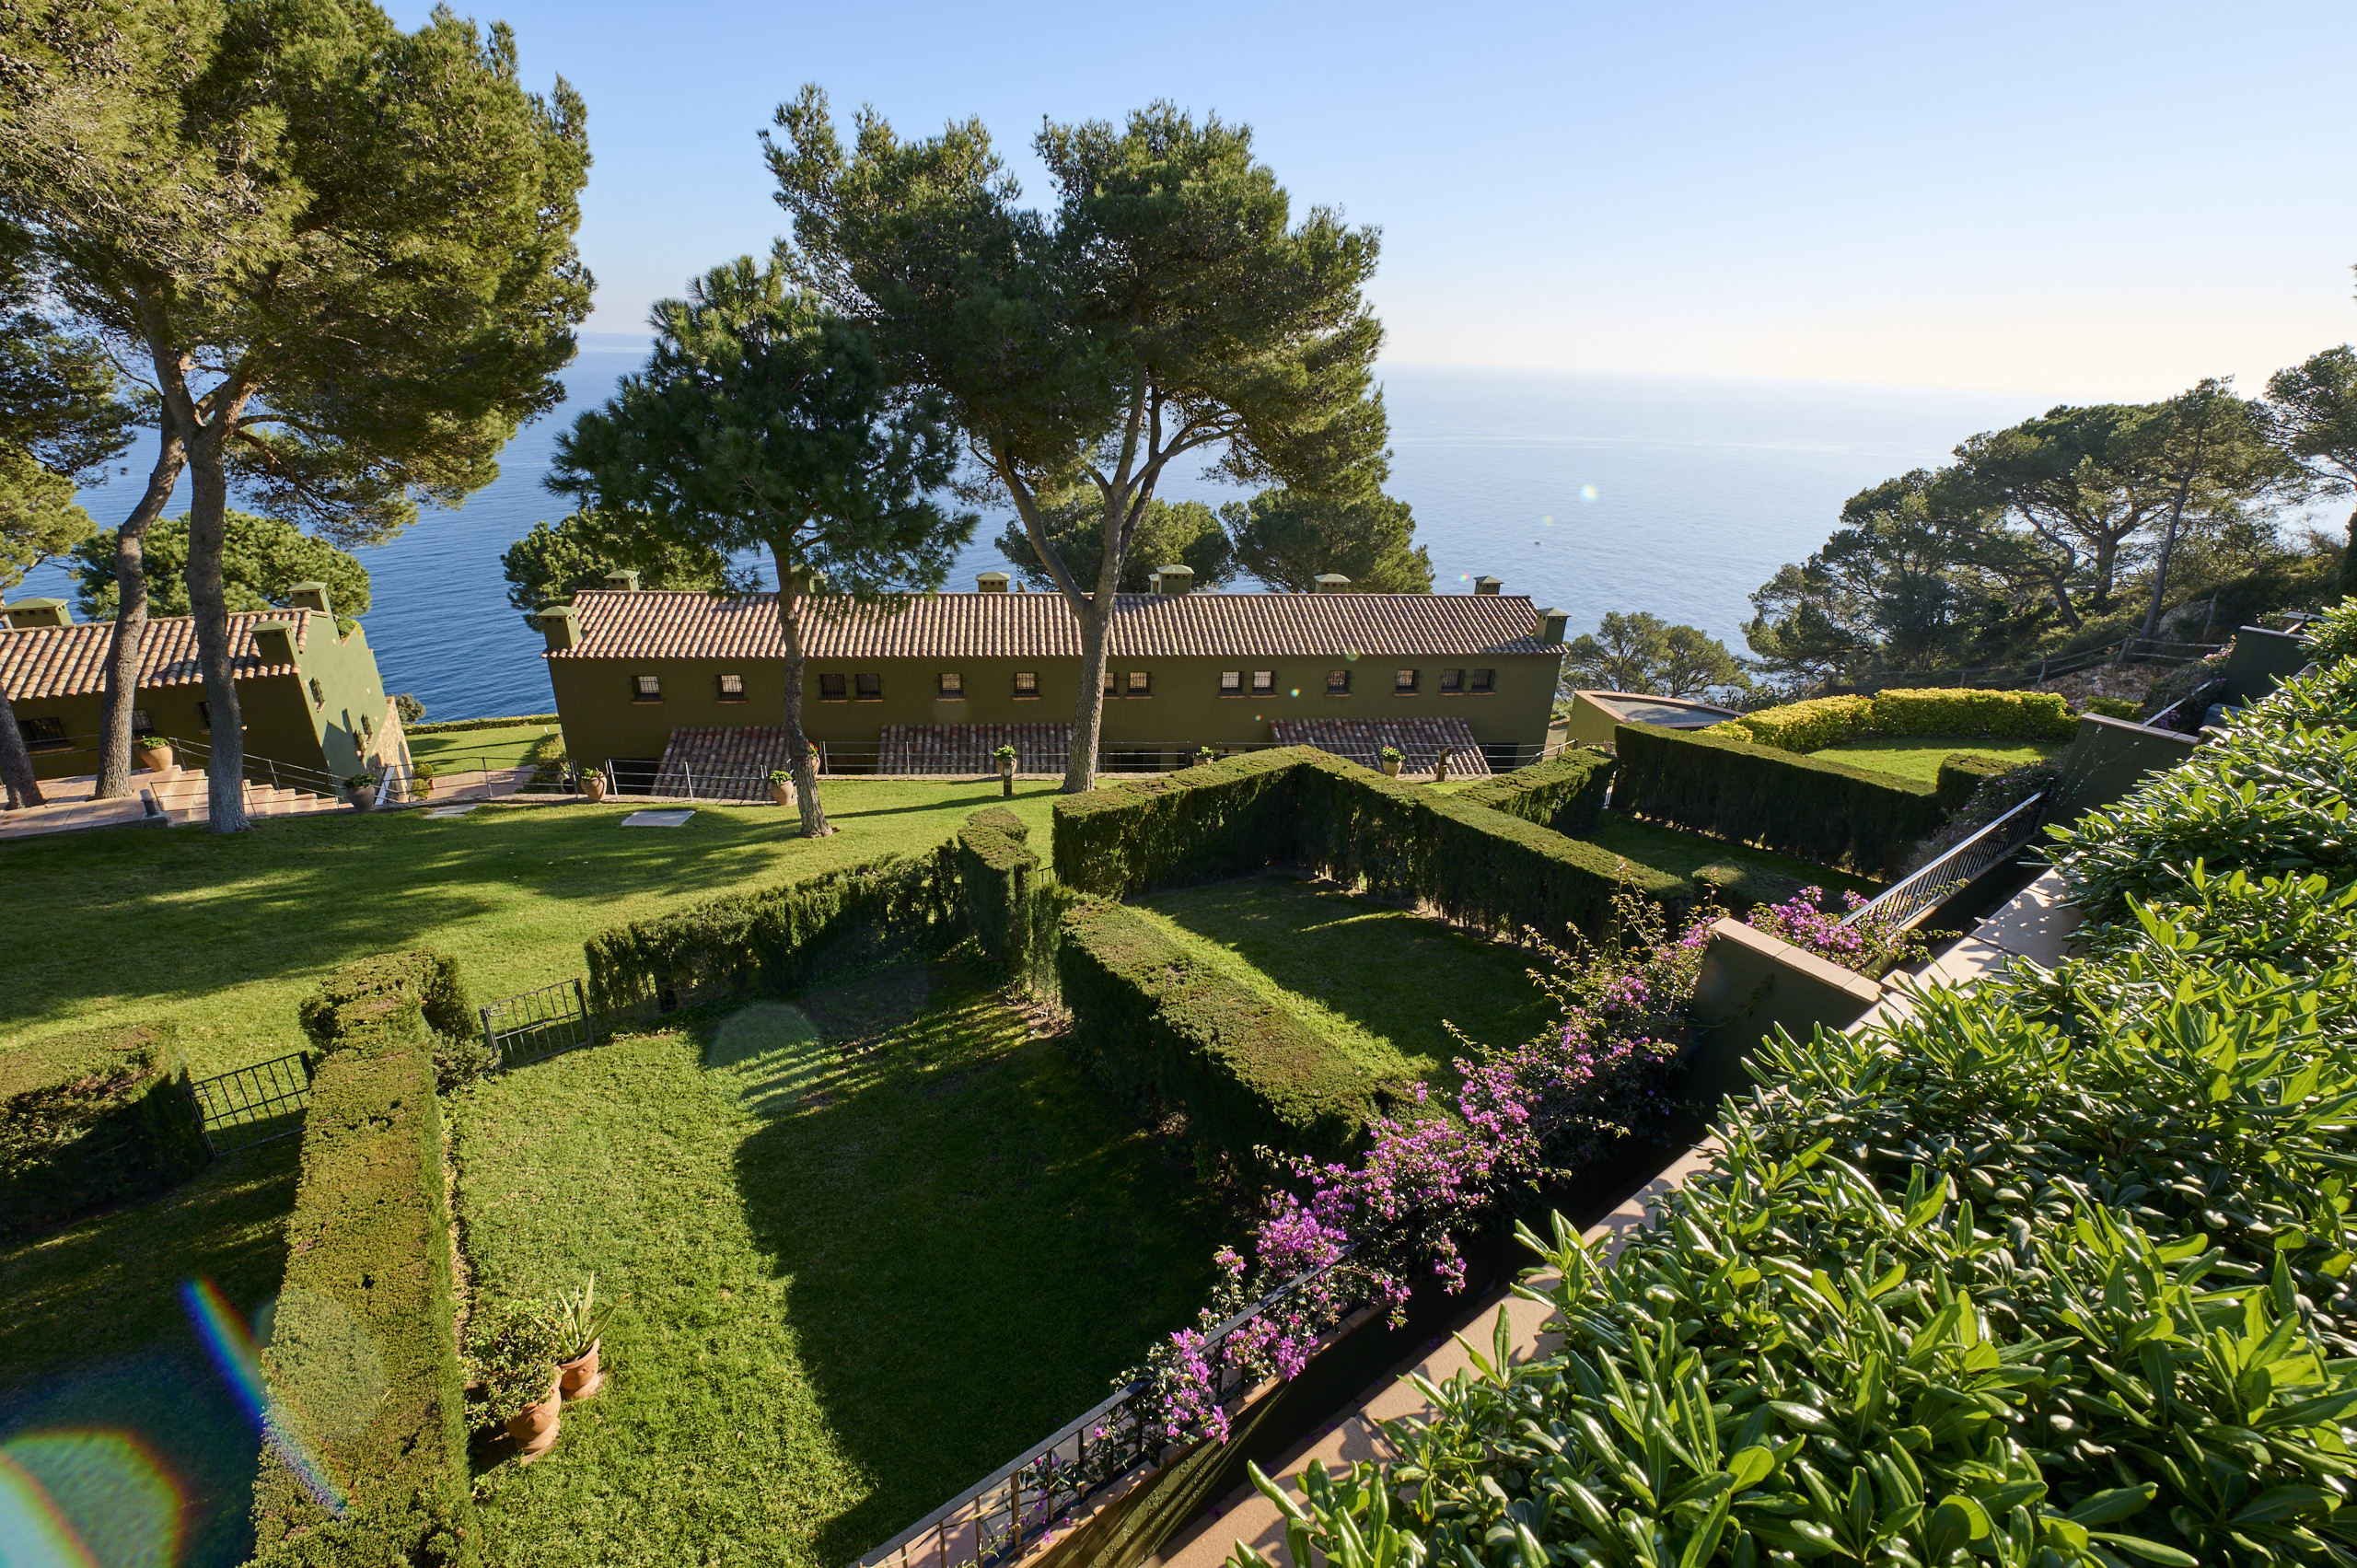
(1820, 722)
(1565, 793)
(1151, 1022)
(450, 726)
(1301, 807)
(358, 1001)
(92, 1119)
(366, 1454)
(1820, 810)
(1804, 727)
(2332, 635)
(1962, 772)
(2114, 708)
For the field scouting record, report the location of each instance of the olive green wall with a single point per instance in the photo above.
(602, 721)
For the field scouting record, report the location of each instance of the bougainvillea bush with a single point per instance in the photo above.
(1871, 943)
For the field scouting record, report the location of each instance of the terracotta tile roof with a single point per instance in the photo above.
(1418, 741)
(972, 748)
(721, 764)
(618, 624)
(70, 661)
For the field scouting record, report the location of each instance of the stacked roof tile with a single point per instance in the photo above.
(721, 764)
(1419, 742)
(70, 661)
(972, 747)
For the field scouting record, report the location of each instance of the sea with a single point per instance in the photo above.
(1590, 493)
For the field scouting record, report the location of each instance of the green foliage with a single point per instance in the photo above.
(38, 516)
(1641, 652)
(578, 1319)
(549, 565)
(261, 559)
(91, 1119)
(1296, 806)
(1565, 792)
(362, 1362)
(1803, 726)
(1959, 714)
(1962, 772)
(1150, 1020)
(364, 1005)
(2312, 410)
(1821, 812)
(1288, 539)
(512, 1351)
(451, 726)
(2114, 708)
(1009, 905)
(1168, 533)
(60, 402)
(2332, 635)
(408, 710)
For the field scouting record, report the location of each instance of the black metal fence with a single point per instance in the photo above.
(535, 1025)
(254, 1105)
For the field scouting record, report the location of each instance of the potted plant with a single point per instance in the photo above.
(578, 1320)
(781, 786)
(1204, 754)
(421, 781)
(515, 1360)
(363, 790)
(593, 780)
(1006, 755)
(1391, 760)
(154, 752)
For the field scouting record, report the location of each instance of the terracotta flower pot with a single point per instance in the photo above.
(1391, 767)
(594, 787)
(363, 799)
(579, 1378)
(782, 793)
(533, 1429)
(159, 759)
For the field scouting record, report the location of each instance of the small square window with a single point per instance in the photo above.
(1231, 683)
(833, 688)
(1140, 684)
(952, 683)
(1110, 685)
(43, 735)
(142, 722)
(1264, 682)
(1403, 682)
(869, 686)
(732, 688)
(646, 687)
(1338, 683)
(1452, 682)
(1483, 679)
(1027, 683)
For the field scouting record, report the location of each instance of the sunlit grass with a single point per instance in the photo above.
(1913, 757)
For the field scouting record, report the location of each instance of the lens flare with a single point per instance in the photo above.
(34, 1531)
(235, 1352)
(74, 1498)
(1546, 519)
(1587, 493)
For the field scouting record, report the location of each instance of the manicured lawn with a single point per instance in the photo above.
(1912, 757)
(99, 1360)
(454, 751)
(1381, 982)
(1743, 875)
(859, 1262)
(226, 934)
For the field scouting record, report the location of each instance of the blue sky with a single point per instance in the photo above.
(2075, 202)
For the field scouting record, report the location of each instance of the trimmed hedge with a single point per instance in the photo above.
(1822, 812)
(366, 1398)
(1150, 1020)
(451, 726)
(357, 1002)
(1966, 713)
(92, 1119)
(1011, 907)
(1299, 806)
(1565, 793)
(1962, 772)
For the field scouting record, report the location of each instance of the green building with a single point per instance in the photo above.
(309, 693)
(676, 688)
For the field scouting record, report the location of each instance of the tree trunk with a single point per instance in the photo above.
(130, 616)
(209, 605)
(2161, 567)
(798, 744)
(1088, 713)
(15, 762)
(2107, 553)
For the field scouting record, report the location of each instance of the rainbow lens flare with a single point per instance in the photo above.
(82, 1499)
(1587, 493)
(235, 1352)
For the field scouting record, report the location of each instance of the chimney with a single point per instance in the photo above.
(989, 583)
(1487, 585)
(810, 582)
(1172, 580)
(274, 641)
(561, 626)
(27, 613)
(1333, 583)
(308, 595)
(622, 580)
(1551, 624)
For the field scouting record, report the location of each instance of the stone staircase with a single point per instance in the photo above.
(180, 797)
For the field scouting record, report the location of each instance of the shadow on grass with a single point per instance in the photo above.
(107, 1392)
(974, 1239)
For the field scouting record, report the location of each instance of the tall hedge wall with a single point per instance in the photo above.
(1298, 806)
(1819, 810)
(359, 999)
(1933, 714)
(92, 1119)
(366, 1400)
(1148, 1018)
(1565, 793)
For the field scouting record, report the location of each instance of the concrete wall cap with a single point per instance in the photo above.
(1823, 970)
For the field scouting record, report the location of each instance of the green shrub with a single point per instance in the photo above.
(366, 1399)
(2332, 635)
(1150, 1021)
(1804, 727)
(1818, 809)
(2114, 708)
(1822, 722)
(1962, 772)
(449, 727)
(1297, 806)
(92, 1119)
(1565, 793)
(998, 877)
(356, 1001)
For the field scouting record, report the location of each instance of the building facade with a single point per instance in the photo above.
(308, 694)
(920, 686)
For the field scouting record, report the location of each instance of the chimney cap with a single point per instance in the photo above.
(1172, 580)
(1333, 583)
(559, 623)
(623, 579)
(1487, 585)
(27, 613)
(308, 595)
(1552, 623)
(989, 582)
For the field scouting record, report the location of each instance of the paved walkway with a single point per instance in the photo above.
(181, 797)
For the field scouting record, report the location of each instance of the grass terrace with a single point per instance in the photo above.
(511, 746)
(1913, 757)
(1743, 875)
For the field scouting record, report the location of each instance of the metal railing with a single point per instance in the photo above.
(196, 755)
(535, 1025)
(254, 1105)
(1907, 902)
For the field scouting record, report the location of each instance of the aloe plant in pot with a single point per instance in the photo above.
(578, 1322)
(513, 1356)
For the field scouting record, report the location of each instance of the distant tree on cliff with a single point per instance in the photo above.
(261, 558)
(1183, 534)
(1641, 652)
(549, 565)
(1289, 539)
